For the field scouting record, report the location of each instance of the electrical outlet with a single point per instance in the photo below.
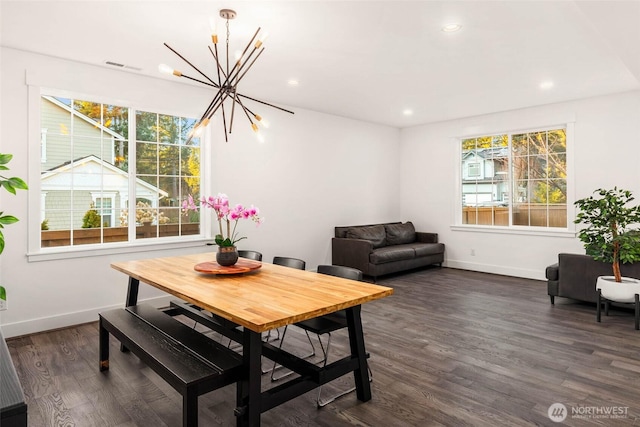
(3, 298)
(473, 252)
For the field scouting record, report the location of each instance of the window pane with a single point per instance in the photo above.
(85, 140)
(520, 167)
(169, 160)
(537, 143)
(146, 126)
(147, 158)
(519, 145)
(170, 172)
(537, 167)
(557, 165)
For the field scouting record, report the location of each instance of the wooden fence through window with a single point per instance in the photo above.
(524, 214)
(87, 236)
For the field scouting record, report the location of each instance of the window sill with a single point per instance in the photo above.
(82, 251)
(526, 231)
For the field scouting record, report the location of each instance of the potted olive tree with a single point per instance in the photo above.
(611, 235)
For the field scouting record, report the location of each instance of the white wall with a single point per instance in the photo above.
(604, 154)
(314, 171)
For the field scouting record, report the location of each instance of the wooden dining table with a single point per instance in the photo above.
(260, 300)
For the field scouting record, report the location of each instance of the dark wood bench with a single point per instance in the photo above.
(192, 363)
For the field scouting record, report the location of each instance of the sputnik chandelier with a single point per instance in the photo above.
(227, 80)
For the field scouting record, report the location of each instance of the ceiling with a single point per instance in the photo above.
(367, 60)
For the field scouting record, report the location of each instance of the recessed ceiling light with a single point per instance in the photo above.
(546, 84)
(407, 112)
(293, 82)
(450, 28)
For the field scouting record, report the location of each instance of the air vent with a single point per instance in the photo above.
(123, 66)
(114, 64)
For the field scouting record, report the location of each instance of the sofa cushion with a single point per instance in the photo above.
(375, 234)
(426, 249)
(399, 234)
(392, 253)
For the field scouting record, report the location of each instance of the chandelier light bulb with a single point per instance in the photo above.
(164, 68)
(262, 121)
(261, 39)
(213, 24)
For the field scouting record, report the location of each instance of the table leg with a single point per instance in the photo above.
(132, 299)
(356, 341)
(248, 391)
(132, 292)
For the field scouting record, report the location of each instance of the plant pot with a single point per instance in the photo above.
(227, 255)
(624, 291)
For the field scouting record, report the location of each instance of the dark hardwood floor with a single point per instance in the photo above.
(450, 347)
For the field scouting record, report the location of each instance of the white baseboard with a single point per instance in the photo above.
(496, 269)
(41, 324)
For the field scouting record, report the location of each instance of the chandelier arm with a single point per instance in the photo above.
(218, 66)
(245, 109)
(192, 66)
(266, 103)
(237, 78)
(231, 75)
(213, 106)
(218, 105)
(224, 124)
(200, 81)
(233, 111)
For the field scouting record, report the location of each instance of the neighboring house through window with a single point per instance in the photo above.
(86, 180)
(515, 179)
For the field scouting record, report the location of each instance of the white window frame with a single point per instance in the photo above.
(43, 145)
(36, 199)
(568, 232)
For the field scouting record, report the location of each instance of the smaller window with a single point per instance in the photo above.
(104, 204)
(473, 170)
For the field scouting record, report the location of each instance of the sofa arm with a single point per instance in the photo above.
(351, 253)
(426, 237)
(552, 272)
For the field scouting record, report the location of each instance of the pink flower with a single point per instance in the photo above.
(220, 204)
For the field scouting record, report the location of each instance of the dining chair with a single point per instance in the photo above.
(289, 262)
(286, 262)
(325, 325)
(254, 255)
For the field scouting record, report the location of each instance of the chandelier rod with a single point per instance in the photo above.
(266, 103)
(219, 70)
(192, 66)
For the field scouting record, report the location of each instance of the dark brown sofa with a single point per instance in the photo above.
(379, 249)
(574, 276)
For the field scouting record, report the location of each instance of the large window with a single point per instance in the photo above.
(515, 179)
(95, 176)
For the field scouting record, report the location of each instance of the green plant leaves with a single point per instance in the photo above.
(11, 185)
(609, 234)
(7, 219)
(5, 158)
